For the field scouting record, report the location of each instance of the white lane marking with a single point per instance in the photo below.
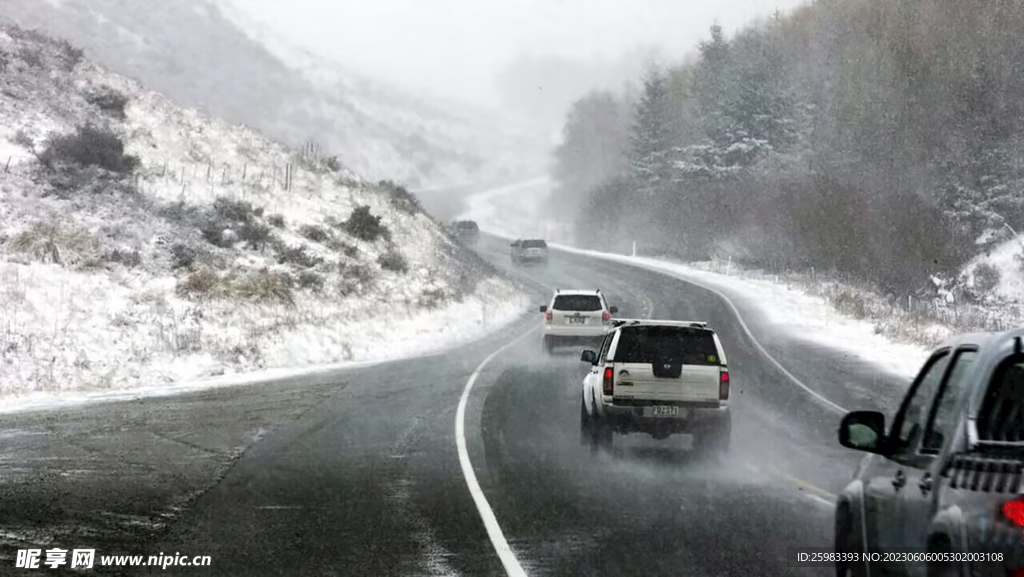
(822, 501)
(279, 507)
(501, 546)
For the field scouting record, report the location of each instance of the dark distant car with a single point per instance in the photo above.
(466, 231)
(533, 251)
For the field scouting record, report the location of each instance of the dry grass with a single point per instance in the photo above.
(265, 287)
(56, 242)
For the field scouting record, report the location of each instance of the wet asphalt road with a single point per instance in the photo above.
(357, 473)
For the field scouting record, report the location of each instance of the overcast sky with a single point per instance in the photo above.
(455, 48)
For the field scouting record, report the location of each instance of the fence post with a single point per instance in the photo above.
(245, 171)
(209, 171)
(164, 173)
(7, 168)
(728, 267)
(183, 174)
(224, 177)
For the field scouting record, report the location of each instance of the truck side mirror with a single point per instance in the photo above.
(543, 308)
(613, 310)
(589, 356)
(863, 431)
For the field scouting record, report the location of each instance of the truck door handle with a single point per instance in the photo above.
(925, 483)
(899, 479)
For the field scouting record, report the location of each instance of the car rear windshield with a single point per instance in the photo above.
(466, 225)
(533, 244)
(652, 344)
(577, 303)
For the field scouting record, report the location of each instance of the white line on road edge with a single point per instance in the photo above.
(508, 558)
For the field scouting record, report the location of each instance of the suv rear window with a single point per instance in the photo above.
(533, 244)
(577, 303)
(661, 344)
(466, 225)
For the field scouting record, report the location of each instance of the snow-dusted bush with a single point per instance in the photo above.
(315, 233)
(182, 256)
(89, 146)
(354, 277)
(56, 242)
(297, 255)
(265, 286)
(109, 101)
(256, 235)
(364, 225)
(22, 138)
(203, 283)
(986, 278)
(394, 261)
(311, 280)
(128, 258)
(276, 220)
(401, 198)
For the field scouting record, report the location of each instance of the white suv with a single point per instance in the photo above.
(660, 378)
(576, 315)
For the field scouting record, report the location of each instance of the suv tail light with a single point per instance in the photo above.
(1014, 511)
(547, 315)
(723, 385)
(609, 379)
(607, 316)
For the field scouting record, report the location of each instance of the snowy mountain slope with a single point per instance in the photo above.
(196, 52)
(201, 247)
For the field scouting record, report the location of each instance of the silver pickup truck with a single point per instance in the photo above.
(941, 491)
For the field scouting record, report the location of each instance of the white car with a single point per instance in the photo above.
(660, 378)
(575, 316)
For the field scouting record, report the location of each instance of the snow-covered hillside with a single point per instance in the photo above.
(200, 54)
(143, 243)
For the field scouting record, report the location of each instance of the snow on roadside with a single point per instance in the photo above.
(788, 309)
(362, 334)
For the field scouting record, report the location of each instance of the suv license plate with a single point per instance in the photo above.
(577, 320)
(664, 411)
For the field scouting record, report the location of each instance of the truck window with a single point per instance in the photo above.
(909, 424)
(944, 420)
(577, 303)
(650, 344)
(534, 244)
(1001, 417)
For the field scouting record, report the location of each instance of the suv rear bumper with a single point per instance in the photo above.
(575, 332)
(700, 416)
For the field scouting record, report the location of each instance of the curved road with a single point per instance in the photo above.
(367, 480)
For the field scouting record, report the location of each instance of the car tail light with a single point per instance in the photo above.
(723, 385)
(547, 316)
(1015, 573)
(607, 316)
(609, 379)
(1014, 511)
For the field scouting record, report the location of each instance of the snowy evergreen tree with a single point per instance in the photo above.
(651, 139)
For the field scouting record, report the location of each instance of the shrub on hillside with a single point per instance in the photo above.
(394, 261)
(32, 57)
(265, 287)
(203, 283)
(365, 226)
(71, 54)
(22, 138)
(401, 198)
(88, 146)
(235, 212)
(315, 233)
(354, 277)
(109, 101)
(310, 280)
(128, 258)
(55, 242)
(276, 220)
(298, 256)
(182, 256)
(256, 235)
(986, 278)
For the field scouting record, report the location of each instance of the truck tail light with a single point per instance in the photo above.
(547, 315)
(609, 379)
(1014, 511)
(607, 316)
(723, 385)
